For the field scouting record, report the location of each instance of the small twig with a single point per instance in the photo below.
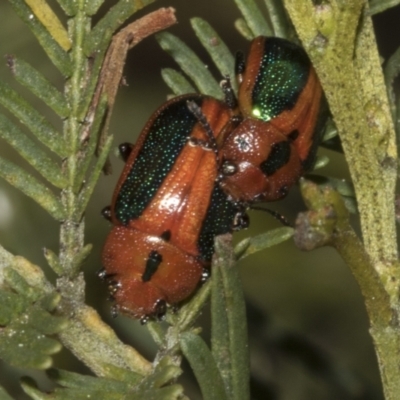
(327, 223)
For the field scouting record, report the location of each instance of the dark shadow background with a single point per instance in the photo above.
(299, 303)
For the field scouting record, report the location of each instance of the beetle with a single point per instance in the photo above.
(167, 209)
(278, 84)
(279, 103)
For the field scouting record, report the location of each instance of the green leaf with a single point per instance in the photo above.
(254, 18)
(229, 340)
(19, 285)
(165, 372)
(108, 25)
(330, 130)
(11, 304)
(122, 374)
(50, 301)
(32, 153)
(257, 243)
(152, 386)
(203, 365)
(81, 256)
(30, 186)
(53, 261)
(28, 76)
(157, 332)
(70, 7)
(44, 322)
(32, 276)
(93, 6)
(218, 50)
(45, 14)
(90, 388)
(190, 64)
(242, 27)
(378, 6)
(191, 310)
(278, 18)
(176, 81)
(56, 54)
(321, 162)
(23, 341)
(172, 392)
(85, 382)
(37, 124)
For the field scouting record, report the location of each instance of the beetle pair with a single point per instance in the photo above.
(197, 165)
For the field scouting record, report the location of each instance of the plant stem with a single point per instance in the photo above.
(339, 38)
(71, 235)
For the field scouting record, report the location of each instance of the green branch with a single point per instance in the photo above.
(342, 46)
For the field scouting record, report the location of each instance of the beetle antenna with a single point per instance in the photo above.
(275, 214)
(212, 143)
(239, 65)
(230, 97)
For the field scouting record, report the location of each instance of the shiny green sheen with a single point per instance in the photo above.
(283, 74)
(166, 136)
(219, 220)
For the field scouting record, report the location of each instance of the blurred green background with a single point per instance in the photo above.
(311, 297)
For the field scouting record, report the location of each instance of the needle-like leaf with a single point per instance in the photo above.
(32, 79)
(201, 360)
(217, 49)
(228, 317)
(31, 118)
(31, 152)
(190, 64)
(254, 18)
(42, 11)
(57, 55)
(30, 186)
(176, 81)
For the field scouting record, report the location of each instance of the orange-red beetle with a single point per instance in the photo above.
(167, 209)
(279, 102)
(278, 84)
(197, 165)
